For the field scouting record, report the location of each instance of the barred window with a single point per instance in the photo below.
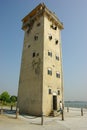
(49, 53)
(49, 71)
(57, 74)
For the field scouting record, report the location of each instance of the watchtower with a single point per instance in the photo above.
(41, 79)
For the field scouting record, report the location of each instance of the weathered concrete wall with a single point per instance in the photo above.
(30, 84)
(51, 81)
(36, 86)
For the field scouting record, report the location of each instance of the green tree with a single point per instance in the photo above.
(13, 99)
(5, 96)
(0, 97)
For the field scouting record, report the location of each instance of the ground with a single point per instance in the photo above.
(72, 121)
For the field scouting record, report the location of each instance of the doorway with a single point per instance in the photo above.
(54, 102)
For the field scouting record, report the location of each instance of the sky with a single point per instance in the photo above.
(73, 14)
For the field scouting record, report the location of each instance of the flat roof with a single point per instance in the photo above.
(42, 8)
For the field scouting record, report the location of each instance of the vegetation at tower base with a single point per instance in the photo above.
(7, 99)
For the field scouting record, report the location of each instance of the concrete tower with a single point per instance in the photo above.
(41, 80)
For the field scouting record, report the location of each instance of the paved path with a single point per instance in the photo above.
(73, 121)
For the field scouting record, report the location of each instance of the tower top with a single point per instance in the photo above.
(40, 10)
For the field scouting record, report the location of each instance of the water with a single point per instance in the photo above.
(76, 104)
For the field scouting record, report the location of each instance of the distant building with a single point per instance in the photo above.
(41, 79)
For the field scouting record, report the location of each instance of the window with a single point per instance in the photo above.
(53, 27)
(49, 53)
(37, 54)
(38, 24)
(49, 91)
(58, 92)
(56, 42)
(57, 57)
(57, 74)
(49, 71)
(29, 46)
(50, 37)
(36, 37)
(33, 54)
(28, 28)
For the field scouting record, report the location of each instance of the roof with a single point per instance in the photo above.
(41, 8)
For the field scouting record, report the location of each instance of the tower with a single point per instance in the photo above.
(41, 79)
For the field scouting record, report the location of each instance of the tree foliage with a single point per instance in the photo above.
(5, 96)
(13, 99)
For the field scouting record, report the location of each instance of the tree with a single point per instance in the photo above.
(5, 96)
(0, 97)
(13, 99)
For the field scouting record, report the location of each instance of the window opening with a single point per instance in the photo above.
(50, 91)
(57, 57)
(50, 37)
(49, 53)
(37, 54)
(29, 46)
(53, 27)
(33, 54)
(58, 92)
(57, 74)
(56, 42)
(38, 24)
(49, 71)
(35, 37)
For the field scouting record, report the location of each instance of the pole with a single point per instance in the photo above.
(81, 111)
(17, 113)
(42, 119)
(11, 107)
(67, 109)
(62, 114)
(1, 110)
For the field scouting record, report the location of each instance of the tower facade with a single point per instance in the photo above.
(41, 79)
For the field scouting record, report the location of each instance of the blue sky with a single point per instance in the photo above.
(73, 14)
